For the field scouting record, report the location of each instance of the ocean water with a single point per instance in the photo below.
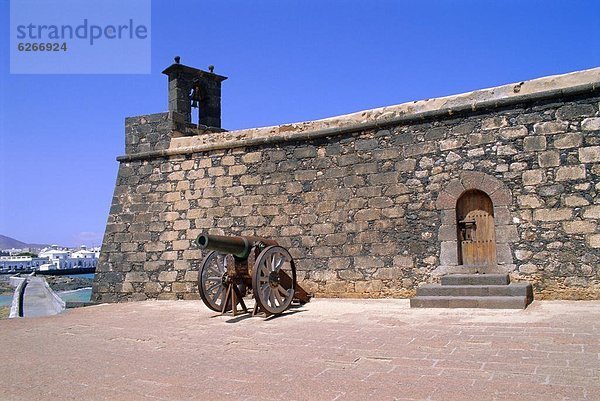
(80, 295)
(90, 275)
(6, 300)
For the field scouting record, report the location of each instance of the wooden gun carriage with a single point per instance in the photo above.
(237, 265)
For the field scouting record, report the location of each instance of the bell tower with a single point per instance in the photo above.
(193, 88)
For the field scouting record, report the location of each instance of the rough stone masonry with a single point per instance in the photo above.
(365, 202)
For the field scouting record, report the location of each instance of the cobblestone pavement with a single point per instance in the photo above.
(326, 350)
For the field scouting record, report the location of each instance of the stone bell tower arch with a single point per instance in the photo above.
(476, 228)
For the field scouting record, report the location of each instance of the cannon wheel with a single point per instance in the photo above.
(274, 280)
(211, 281)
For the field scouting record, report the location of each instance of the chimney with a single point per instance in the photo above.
(189, 87)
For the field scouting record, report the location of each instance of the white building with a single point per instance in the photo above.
(66, 259)
(21, 263)
(85, 257)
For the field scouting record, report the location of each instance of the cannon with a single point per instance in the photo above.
(236, 266)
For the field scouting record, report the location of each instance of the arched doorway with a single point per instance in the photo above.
(476, 230)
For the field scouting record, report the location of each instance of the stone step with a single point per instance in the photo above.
(515, 302)
(514, 289)
(475, 279)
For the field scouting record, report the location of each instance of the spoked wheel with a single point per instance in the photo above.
(212, 281)
(274, 279)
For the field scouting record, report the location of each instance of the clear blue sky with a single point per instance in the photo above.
(286, 61)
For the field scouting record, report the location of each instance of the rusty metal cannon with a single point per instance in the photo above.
(237, 266)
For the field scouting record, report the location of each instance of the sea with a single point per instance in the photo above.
(79, 295)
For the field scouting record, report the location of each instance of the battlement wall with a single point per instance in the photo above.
(365, 202)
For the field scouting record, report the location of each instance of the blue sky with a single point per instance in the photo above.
(286, 61)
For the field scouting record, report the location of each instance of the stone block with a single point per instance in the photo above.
(550, 190)
(453, 157)
(136, 277)
(380, 202)
(237, 170)
(570, 173)
(591, 124)
(452, 143)
(552, 214)
(167, 276)
(350, 275)
(502, 215)
(305, 152)
(383, 178)
(477, 152)
(493, 123)
(181, 287)
(447, 233)
(575, 201)
(565, 141)
(449, 253)
(388, 273)
(455, 188)
(252, 157)
(590, 154)
(420, 149)
(513, 132)
(549, 158)
(181, 225)
(369, 286)
(445, 201)
(533, 177)
(365, 262)
(397, 189)
(528, 268)
(534, 143)
(570, 111)
(523, 254)
(322, 229)
(503, 252)
(436, 133)
(471, 179)
(530, 201)
(579, 227)
(365, 168)
(366, 144)
(501, 197)
(490, 185)
(481, 138)
(593, 240)
(338, 263)
(403, 261)
(592, 212)
(367, 215)
(550, 127)
(507, 234)
(406, 165)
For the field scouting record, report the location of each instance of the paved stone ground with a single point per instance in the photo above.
(326, 350)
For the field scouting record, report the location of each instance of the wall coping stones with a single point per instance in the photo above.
(541, 88)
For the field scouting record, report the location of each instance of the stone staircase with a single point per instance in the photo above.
(493, 291)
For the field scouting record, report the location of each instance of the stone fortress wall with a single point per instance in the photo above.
(366, 202)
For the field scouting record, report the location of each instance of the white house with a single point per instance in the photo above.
(66, 259)
(21, 263)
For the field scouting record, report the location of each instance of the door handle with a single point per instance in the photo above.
(467, 227)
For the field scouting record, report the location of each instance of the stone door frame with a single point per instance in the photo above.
(506, 231)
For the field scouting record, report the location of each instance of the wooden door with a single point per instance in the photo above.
(476, 232)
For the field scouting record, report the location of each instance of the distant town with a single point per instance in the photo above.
(54, 257)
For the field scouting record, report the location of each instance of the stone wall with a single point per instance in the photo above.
(365, 202)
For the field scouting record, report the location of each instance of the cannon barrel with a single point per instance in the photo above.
(239, 247)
